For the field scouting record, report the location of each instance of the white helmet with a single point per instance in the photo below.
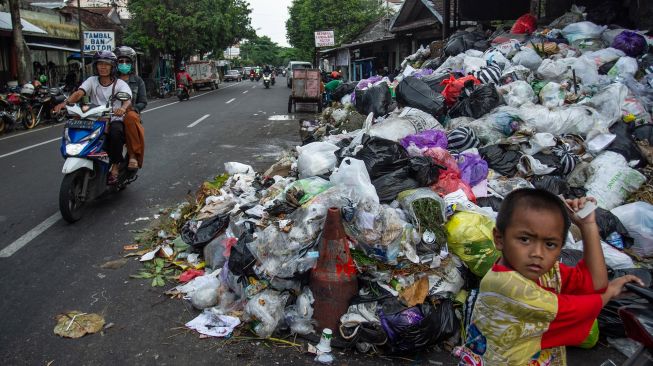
(27, 89)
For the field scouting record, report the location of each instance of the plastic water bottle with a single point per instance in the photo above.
(615, 240)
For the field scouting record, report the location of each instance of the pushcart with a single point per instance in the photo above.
(305, 89)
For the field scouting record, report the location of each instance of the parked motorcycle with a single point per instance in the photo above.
(43, 102)
(87, 165)
(638, 320)
(17, 108)
(267, 79)
(183, 92)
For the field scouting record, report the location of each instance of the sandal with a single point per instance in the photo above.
(133, 164)
(112, 180)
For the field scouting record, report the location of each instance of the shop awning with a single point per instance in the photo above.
(47, 46)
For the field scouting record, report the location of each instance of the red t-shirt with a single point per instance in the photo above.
(578, 306)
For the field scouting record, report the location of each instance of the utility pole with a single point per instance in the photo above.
(23, 57)
(81, 40)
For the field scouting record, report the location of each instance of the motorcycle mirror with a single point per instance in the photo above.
(123, 97)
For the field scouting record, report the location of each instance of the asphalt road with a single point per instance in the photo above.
(58, 266)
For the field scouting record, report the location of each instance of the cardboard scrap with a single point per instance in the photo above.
(415, 293)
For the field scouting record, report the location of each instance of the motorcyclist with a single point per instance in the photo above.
(100, 88)
(134, 133)
(252, 73)
(183, 78)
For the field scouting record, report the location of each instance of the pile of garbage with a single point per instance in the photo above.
(389, 205)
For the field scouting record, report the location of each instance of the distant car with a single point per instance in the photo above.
(233, 75)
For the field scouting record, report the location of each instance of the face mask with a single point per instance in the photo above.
(124, 68)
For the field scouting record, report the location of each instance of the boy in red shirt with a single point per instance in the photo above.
(529, 305)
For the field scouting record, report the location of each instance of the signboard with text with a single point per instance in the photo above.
(325, 39)
(99, 41)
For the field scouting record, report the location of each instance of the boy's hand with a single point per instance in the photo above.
(616, 286)
(576, 205)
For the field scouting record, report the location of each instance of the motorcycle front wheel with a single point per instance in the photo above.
(70, 203)
(30, 119)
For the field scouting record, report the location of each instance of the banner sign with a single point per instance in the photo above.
(325, 39)
(99, 41)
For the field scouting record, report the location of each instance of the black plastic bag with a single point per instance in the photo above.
(625, 145)
(434, 81)
(382, 156)
(501, 160)
(606, 67)
(343, 89)
(420, 326)
(643, 133)
(390, 185)
(608, 223)
(462, 41)
(482, 99)
(376, 99)
(643, 274)
(413, 92)
(551, 183)
(241, 260)
(610, 325)
(570, 257)
(198, 236)
(424, 170)
(490, 201)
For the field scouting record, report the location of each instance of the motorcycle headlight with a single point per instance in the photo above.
(74, 149)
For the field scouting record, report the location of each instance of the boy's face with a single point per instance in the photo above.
(532, 241)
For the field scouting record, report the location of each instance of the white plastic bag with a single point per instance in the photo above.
(409, 122)
(355, 182)
(582, 30)
(613, 257)
(519, 93)
(316, 158)
(233, 167)
(552, 95)
(604, 56)
(494, 56)
(554, 70)
(266, 307)
(539, 142)
(574, 119)
(612, 180)
(625, 67)
(472, 64)
(527, 57)
(609, 101)
(451, 63)
(637, 218)
(586, 70)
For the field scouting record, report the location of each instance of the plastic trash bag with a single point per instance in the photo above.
(462, 41)
(637, 218)
(299, 316)
(267, 308)
(625, 145)
(198, 233)
(382, 156)
(395, 127)
(424, 170)
(586, 70)
(388, 186)
(426, 139)
(614, 258)
(554, 70)
(316, 158)
(552, 95)
(355, 182)
(633, 44)
(469, 236)
(480, 101)
(525, 24)
(434, 81)
(473, 169)
(472, 64)
(378, 233)
(609, 224)
(503, 186)
(612, 180)
(574, 119)
(420, 326)
(376, 99)
(426, 211)
(582, 30)
(233, 167)
(518, 93)
(572, 16)
(453, 88)
(344, 89)
(551, 183)
(462, 138)
(528, 58)
(415, 93)
(500, 160)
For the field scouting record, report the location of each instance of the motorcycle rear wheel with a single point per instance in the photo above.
(30, 119)
(70, 204)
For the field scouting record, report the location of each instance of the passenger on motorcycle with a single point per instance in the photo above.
(183, 78)
(134, 133)
(100, 88)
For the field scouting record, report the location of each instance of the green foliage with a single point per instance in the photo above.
(346, 17)
(158, 271)
(184, 28)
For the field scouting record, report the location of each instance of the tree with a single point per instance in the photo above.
(260, 51)
(190, 27)
(346, 17)
(23, 56)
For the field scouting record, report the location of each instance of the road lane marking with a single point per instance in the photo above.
(31, 131)
(230, 100)
(12, 248)
(254, 87)
(198, 121)
(245, 92)
(29, 147)
(161, 106)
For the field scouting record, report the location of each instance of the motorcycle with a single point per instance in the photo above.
(251, 77)
(267, 79)
(637, 320)
(183, 92)
(44, 100)
(87, 164)
(18, 109)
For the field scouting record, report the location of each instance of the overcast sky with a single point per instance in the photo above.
(270, 16)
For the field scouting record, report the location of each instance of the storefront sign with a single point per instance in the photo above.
(325, 39)
(99, 41)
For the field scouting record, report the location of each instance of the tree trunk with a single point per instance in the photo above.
(23, 56)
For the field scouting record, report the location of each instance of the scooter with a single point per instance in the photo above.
(638, 323)
(251, 77)
(182, 92)
(87, 165)
(267, 79)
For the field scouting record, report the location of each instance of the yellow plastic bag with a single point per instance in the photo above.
(469, 236)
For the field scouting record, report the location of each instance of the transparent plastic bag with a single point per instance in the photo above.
(426, 211)
(267, 308)
(316, 158)
(527, 57)
(377, 233)
(518, 93)
(637, 218)
(355, 182)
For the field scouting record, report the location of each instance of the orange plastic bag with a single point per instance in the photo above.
(454, 87)
(525, 24)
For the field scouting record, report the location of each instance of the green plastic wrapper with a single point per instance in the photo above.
(469, 235)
